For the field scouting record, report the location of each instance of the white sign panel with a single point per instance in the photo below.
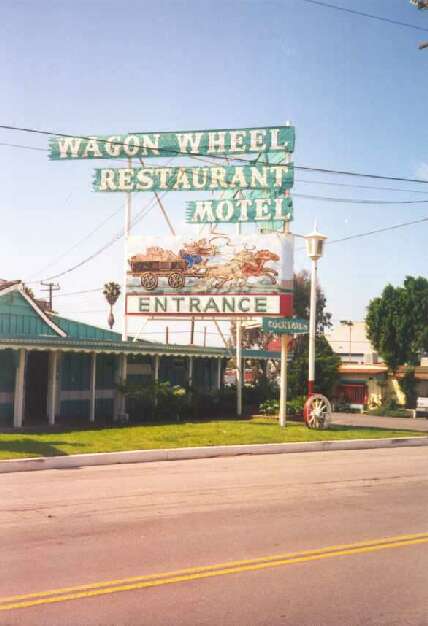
(227, 305)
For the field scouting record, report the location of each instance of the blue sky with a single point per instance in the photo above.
(356, 90)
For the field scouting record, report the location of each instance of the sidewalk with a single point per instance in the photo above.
(180, 454)
(399, 423)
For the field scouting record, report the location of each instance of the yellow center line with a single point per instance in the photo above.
(196, 573)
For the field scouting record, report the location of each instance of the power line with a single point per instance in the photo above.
(350, 185)
(297, 180)
(16, 145)
(78, 293)
(380, 18)
(111, 242)
(356, 201)
(360, 174)
(229, 157)
(379, 230)
(78, 243)
(328, 242)
(372, 232)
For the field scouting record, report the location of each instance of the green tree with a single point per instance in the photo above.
(397, 322)
(326, 364)
(408, 386)
(111, 293)
(255, 338)
(302, 298)
(326, 367)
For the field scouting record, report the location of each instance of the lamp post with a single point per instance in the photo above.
(349, 324)
(314, 247)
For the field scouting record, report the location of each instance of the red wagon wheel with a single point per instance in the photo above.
(317, 411)
(176, 280)
(149, 281)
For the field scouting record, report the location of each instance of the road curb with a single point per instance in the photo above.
(179, 454)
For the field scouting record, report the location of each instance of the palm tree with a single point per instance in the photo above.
(111, 292)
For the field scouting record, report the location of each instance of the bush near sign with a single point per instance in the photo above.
(285, 326)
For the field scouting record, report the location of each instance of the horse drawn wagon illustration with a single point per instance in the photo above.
(157, 262)
(210, 265)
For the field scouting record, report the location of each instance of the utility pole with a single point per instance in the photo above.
(421, 4)
(349, 324)
(50, 287)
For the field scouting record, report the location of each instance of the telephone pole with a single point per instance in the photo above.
(421, 4)
(50, 287)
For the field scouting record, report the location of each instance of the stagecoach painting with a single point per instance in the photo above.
(215, 263)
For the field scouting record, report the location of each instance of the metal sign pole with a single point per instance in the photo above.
(128, 210)
(283, 382)
(238, 356)
(312, 329)
(239, 368)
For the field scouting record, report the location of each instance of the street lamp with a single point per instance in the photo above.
(315, 248)
(349, 324)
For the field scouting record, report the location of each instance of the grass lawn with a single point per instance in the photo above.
(221, 432)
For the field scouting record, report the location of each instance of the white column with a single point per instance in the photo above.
(18, 402)
(57, 395)
(218, 381)
(117, 395)
(123, 375)
(156, 376)
(190, 381)
(93, 387)
(156, 372)
(312, 329)
(283, 382)
(239, 368)
(52, 385)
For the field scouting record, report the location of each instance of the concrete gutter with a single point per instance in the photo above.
(178, 454)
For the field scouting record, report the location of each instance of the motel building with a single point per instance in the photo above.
(364, 377)
(53, 369)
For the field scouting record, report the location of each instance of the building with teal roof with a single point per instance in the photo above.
(56, 369)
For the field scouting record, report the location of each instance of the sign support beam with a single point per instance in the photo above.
(312, 330)
(239, 368)
(128, 211)
(283, 382)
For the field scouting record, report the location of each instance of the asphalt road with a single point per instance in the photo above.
(398, 423)
(109, 545)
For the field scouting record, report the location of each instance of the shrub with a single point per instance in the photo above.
(384, 411)
(294, 406)
(147, 402)
(260, 392)
(269, 407)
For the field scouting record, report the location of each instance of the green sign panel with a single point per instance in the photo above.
(275, 179)
(285, 325)
(155, 144)
(260, 210)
